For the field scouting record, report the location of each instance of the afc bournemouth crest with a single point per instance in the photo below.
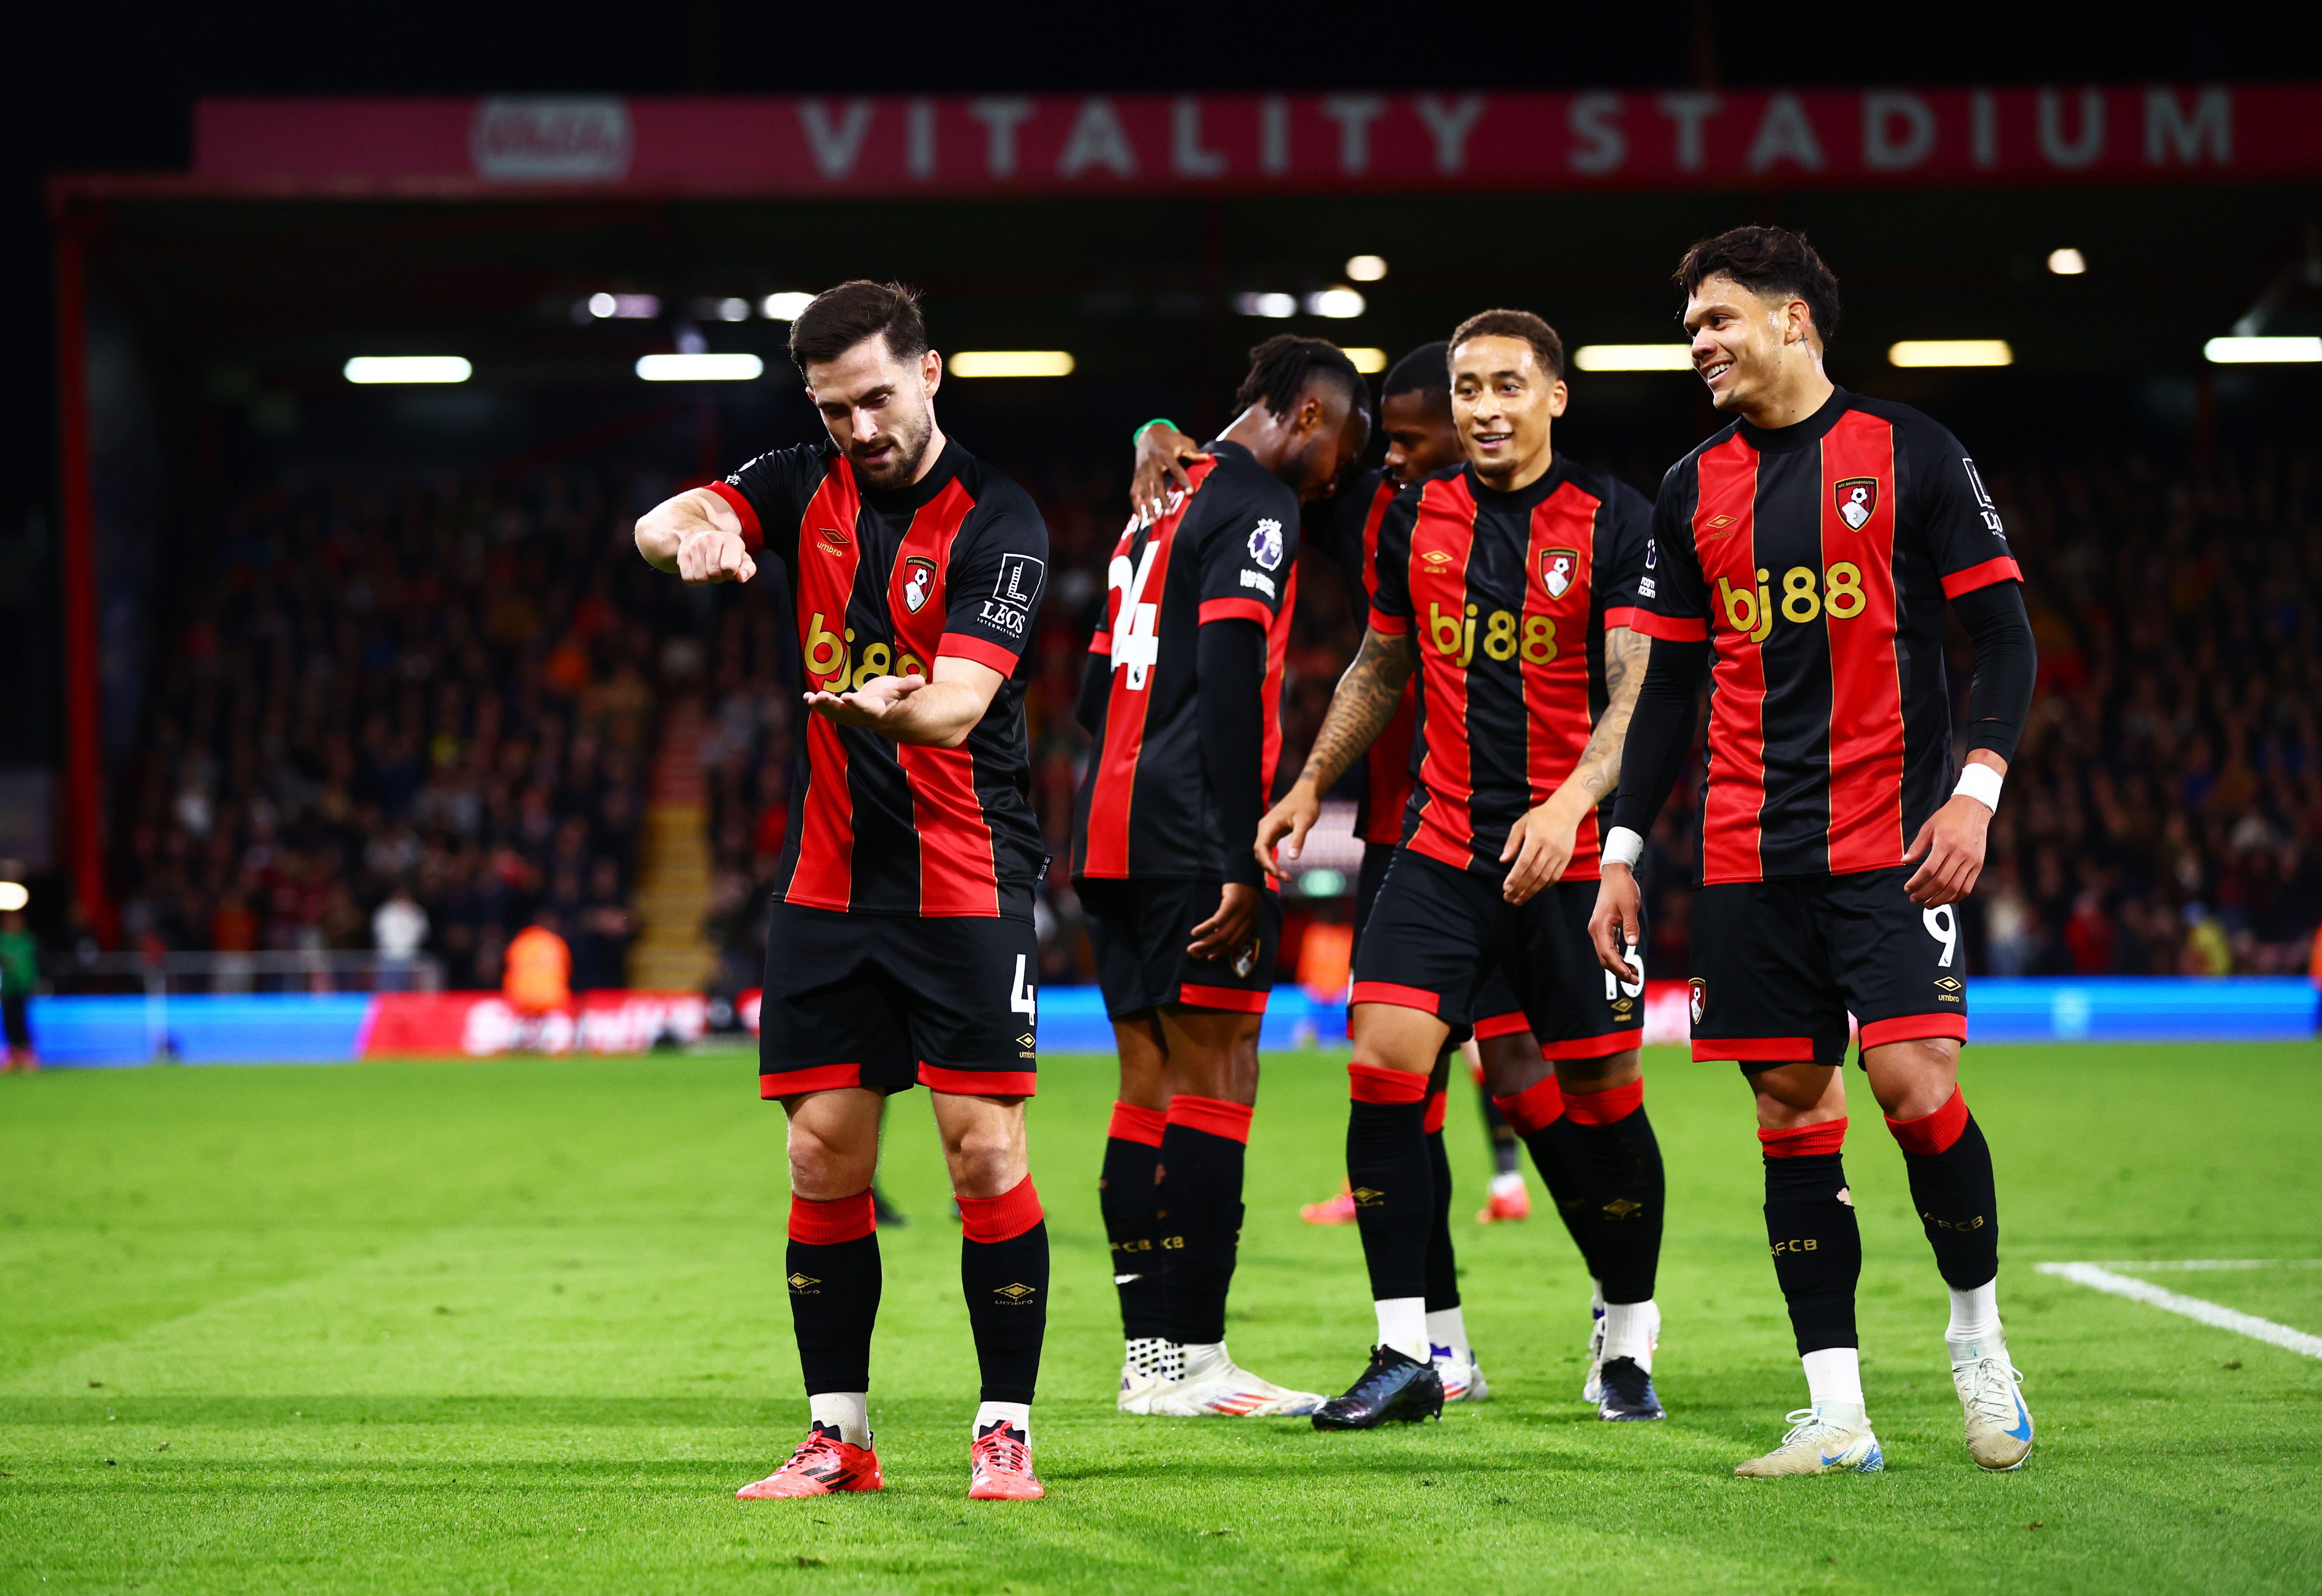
(1700, 996)
(1559, 569)
(1858, 497)
(919, 582)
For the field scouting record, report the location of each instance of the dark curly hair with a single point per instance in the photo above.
(1283, 368)
(1768, 262)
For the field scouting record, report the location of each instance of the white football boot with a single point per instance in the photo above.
(1592, 1388)
(1463, 1378)
(1840, 1444)
(1212, 1386)
(1998, 1423)
(1151, 1365)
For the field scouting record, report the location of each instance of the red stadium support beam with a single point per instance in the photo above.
(84, 705)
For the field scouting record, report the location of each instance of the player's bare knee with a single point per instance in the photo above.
(1605, 1075)
(1791, 1095)
(1913, 1079)
(825, 1167)
(1513, 1063)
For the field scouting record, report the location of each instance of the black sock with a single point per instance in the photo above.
(1557, 1154)
(1505, 1158)
(1125, 1196)
(1621, 1169)
(1959, 1204)
(1394, 1190)
(1198, 1214)
(1442, 1263)
(834, 1285)
(1816, 1245)
(1003, 1270)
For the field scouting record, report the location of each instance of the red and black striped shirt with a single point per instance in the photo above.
(1347, 528)
(884, 584)
(1225, 550)
(1816, 560)
(1508, 596)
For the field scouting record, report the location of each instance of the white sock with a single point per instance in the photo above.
(1446, 1328)
(1629, 1332)
(1835, 1385)
(1200, 1357)
(988, 1414)
(1155, 1358)
(1508, 1184)
(1402, 1326)
(1596, 1295)
(1975, 1314)
(847, 1412)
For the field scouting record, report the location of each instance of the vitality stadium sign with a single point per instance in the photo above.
(1063, 144)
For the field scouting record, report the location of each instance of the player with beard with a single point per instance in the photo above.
(1183, 695)
(1423, 438)
(1804, 555)
(900, 949)
(1505, 587)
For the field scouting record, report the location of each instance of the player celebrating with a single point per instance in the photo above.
(1808, 548)
(1422, 437)
(1183, 696)
(901, 947)
(1495, 584)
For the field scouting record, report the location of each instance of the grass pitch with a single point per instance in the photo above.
(519, 1326)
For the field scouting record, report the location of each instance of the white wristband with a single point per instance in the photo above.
(1979, 782)
(1623, 846)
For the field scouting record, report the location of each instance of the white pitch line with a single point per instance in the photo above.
(2192, 1308)
(2142, 1265)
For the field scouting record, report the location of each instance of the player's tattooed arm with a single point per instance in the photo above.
(1539, 843)
(1360, 709)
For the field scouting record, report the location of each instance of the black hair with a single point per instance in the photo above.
(840, 318)
(1768, 262)
(1520, 324)
(1422, 371)
(1283, 368)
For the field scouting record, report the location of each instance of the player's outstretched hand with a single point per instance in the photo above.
(869, 705)
(1233, 931)
(1541, 844)
(1615, 927)
(1953, 844)
(715, 556)
(1161, 455)
(1291, 818)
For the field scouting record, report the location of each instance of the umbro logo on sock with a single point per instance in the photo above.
(1366, 1197)
(1017, 1294)
(804, 1284)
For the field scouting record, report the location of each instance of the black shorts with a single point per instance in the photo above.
(1778, 965)
(1437, 937)
(1140, 928)
(891, 1002)
(1498, 1012)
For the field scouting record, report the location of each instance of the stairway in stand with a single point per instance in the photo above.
(672, 953)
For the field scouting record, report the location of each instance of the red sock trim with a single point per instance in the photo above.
(1000, 1218)
(1804, 1141)
(1133, 1124)
(1375, 1084)
(1935, 1131)
(1439, 1108)
(1609, 1107)
(1535, 1107)
(827, 1223)
(1211, 1115)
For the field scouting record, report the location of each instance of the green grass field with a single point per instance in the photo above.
(519, 1326)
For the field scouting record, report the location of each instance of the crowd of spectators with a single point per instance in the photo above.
(425, 711)
(397, 715)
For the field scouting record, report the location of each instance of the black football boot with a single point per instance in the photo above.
(1626, 1393)
(1394, 1389)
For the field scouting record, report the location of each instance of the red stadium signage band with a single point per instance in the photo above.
(1062, 144)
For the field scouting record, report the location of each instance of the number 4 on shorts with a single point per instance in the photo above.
(1022, 999)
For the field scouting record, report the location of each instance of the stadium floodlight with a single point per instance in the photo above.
(733, 310)
(1634, 357)
(13, 897)
(1339, 304)
(785, 307)
(602, 306)
(1011, 362)
(1370, 362)
(2067, 262)
(2261, 352)
(1951, 351)
(1366, 269)
(1266, 304)
(732, 368)
(369, 369)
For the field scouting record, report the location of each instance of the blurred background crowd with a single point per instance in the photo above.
(413, 717)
